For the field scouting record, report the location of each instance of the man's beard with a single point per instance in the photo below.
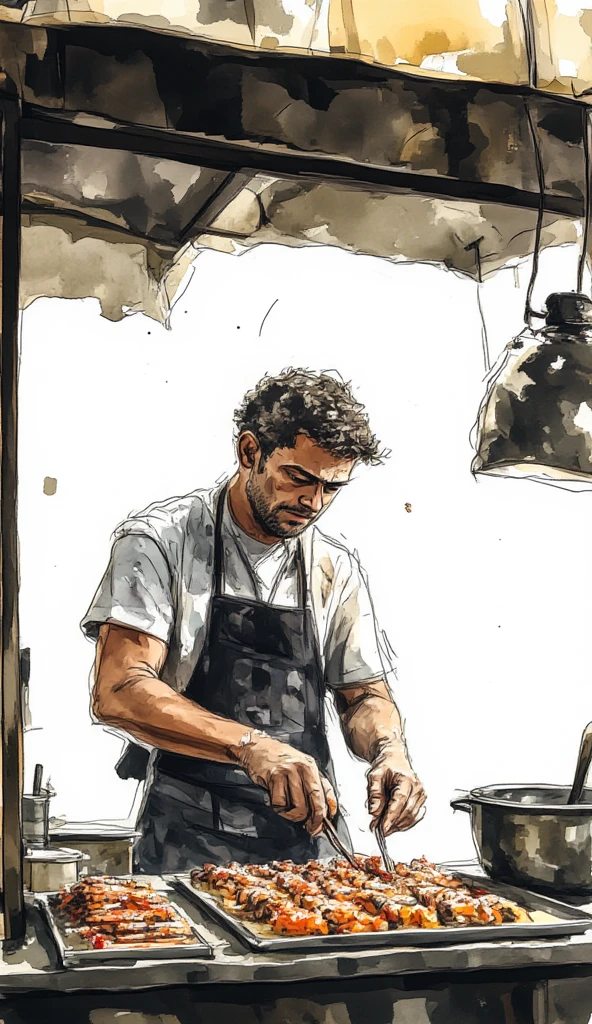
(267, 518)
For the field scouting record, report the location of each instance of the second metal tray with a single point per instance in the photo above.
(75, 954)
(555, 919)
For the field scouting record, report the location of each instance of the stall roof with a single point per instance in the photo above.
(543, 43)
(151, 133)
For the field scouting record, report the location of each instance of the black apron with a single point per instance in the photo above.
(260, 665)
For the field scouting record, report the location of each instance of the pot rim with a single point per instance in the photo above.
(479, 795)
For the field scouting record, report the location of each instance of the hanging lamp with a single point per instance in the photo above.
(536, 419)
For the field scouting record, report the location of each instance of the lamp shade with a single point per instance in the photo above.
(536, 419)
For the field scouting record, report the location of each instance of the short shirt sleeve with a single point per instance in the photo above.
(135, 590)
(352, 647)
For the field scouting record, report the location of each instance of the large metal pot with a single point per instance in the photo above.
(530, 836)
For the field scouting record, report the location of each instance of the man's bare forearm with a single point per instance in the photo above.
(155, 714)
(373, 730)
(370, 721)
(128, 694)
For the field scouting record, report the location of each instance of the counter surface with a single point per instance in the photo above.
(35, 967)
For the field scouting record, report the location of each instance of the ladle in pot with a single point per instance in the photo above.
(584, 759)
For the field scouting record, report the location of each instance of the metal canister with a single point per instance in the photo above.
(36, 820)
(49, 870)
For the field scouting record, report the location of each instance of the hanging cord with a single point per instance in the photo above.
(587, 197)
(529, 312)
(530, 41)
(484, 339)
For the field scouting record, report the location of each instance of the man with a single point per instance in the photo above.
(222, 619)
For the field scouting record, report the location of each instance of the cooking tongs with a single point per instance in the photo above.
(335, 841)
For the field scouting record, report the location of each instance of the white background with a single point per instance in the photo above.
(483, 588)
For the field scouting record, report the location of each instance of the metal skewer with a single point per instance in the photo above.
(387, 860)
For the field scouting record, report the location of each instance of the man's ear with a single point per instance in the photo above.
(248, 449)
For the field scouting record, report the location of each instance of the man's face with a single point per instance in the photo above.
(291, 488)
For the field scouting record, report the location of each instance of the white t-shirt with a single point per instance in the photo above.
(159, 581)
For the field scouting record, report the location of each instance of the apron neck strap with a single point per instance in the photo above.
(301, 577)
(218, 551)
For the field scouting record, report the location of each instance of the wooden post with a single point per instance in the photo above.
(12, 733)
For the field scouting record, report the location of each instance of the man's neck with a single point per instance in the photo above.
(242, 513)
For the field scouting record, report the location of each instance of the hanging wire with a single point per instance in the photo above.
(587, 198)
(484, 339)
(529, 312)
(530, 41)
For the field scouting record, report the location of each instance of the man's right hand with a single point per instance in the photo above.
(297, 789)
(129, 694)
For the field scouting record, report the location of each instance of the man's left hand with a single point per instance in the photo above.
(396, 797)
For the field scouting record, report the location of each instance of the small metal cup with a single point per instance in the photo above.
(36, 820)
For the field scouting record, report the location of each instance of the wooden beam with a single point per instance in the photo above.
(12, 733)
(59, 128)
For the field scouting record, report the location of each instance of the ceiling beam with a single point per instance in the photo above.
(58, 128)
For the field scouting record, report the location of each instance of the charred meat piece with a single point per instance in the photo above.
(378, 903)
(347, 917)
(336, 890)
(503, 911)
(303, 893)
(457, 908)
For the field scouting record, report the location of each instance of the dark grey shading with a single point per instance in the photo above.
(538, 413)
(212, 11)
(181, 825)
(149, 197)
(530, 836)
(487, 999)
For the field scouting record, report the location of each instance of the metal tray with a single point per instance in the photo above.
(78, 956)
(566, 921)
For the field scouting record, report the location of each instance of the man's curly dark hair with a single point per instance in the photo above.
(316, 404)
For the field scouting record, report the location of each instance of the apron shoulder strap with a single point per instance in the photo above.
(302, 580)
(218, 549)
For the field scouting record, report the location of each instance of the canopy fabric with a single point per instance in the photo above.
(108, 225)
(58, 260)
(544, 43)
(472, 239)
(65, 256)
(124, 227)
